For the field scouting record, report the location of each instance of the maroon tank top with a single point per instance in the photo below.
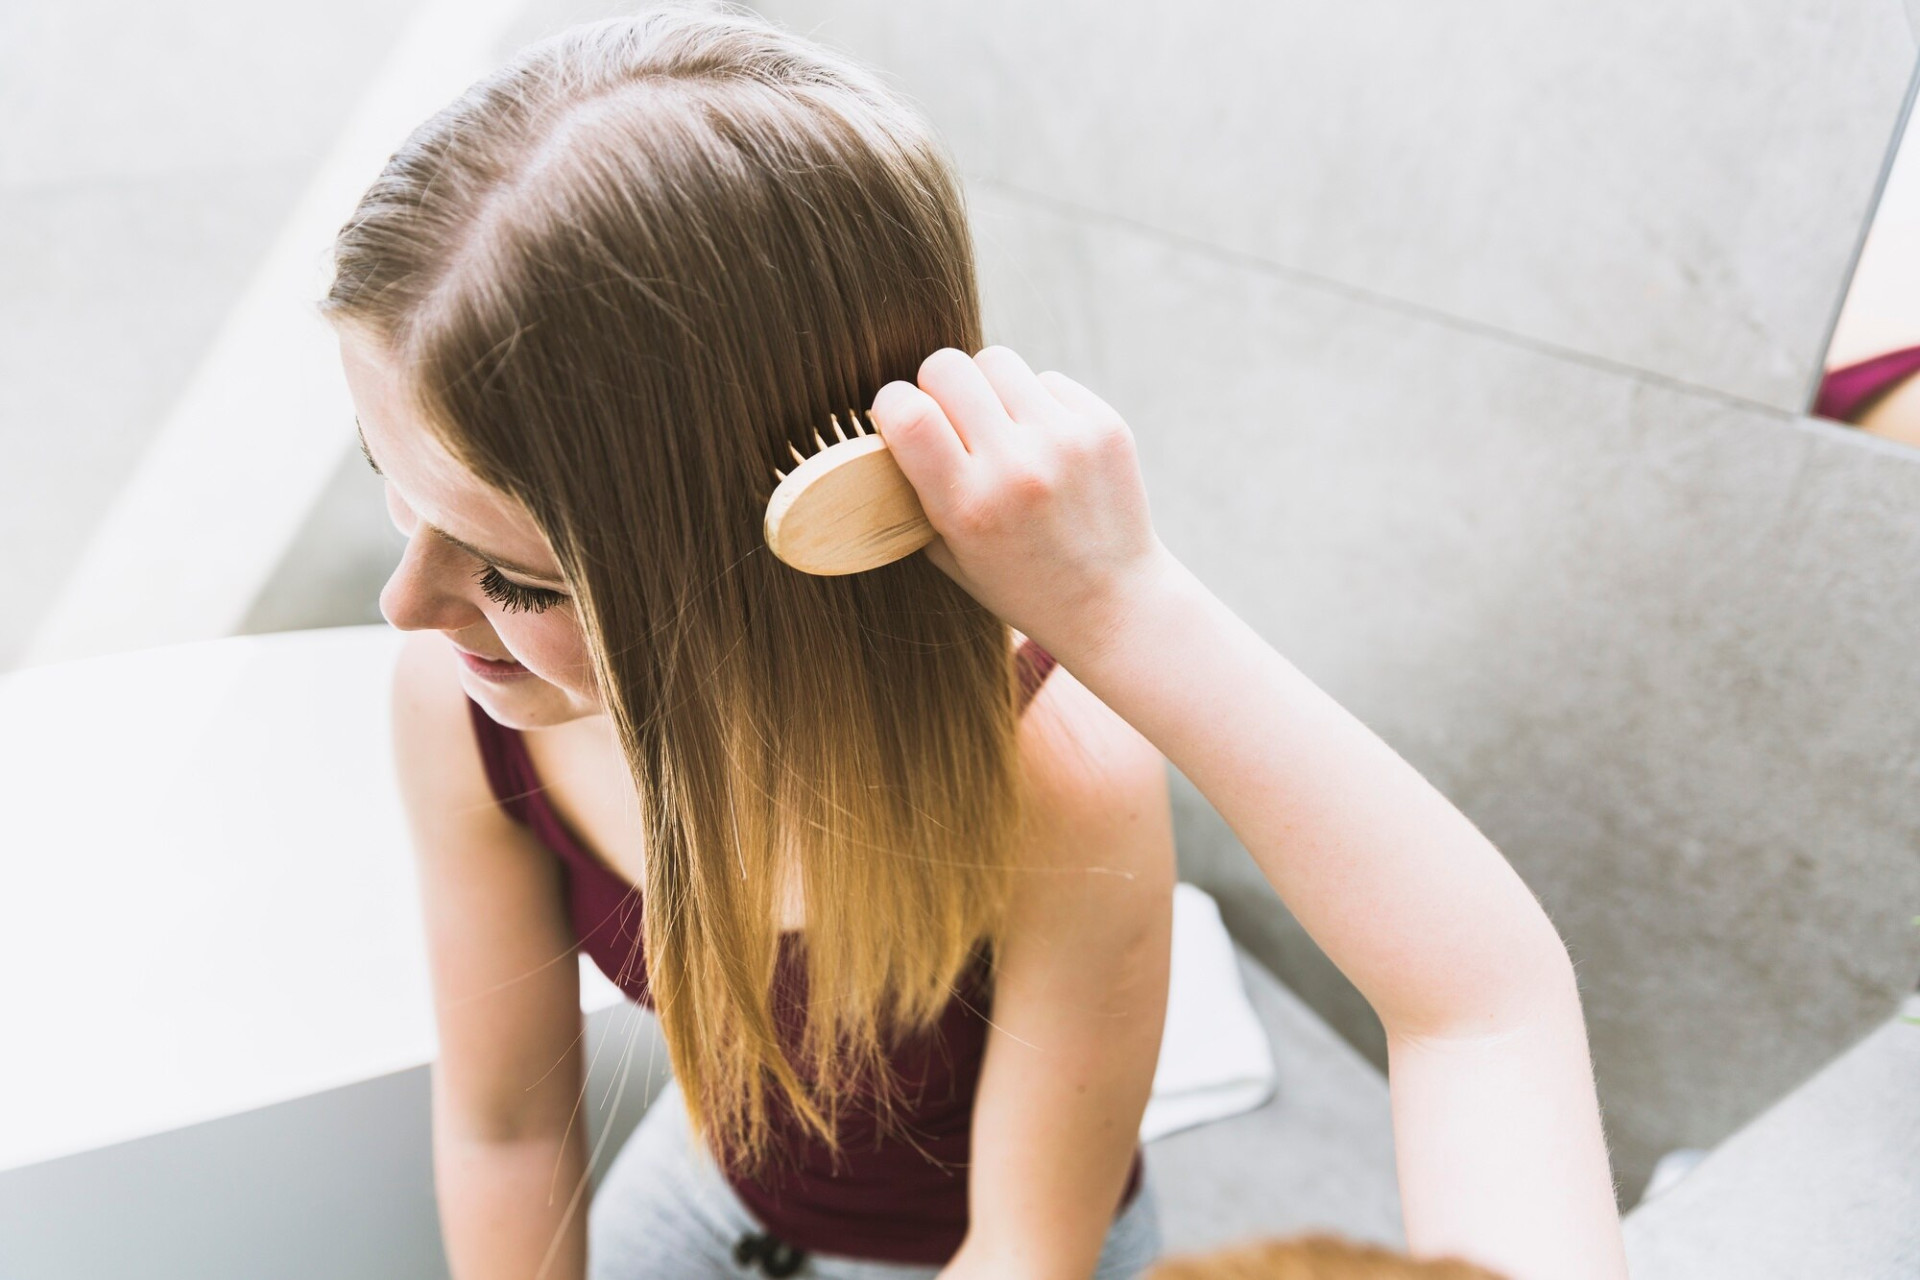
(898, 1195)
(1847, 394)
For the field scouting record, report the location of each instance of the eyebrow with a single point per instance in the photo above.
(497, 561)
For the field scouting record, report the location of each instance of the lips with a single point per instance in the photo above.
(490, 666)
(505, 662)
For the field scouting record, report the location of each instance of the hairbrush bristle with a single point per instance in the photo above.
(847, 507)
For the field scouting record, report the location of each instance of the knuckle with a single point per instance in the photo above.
(1029, 483)
(903, 410)
(1079, 447)
(915, 416)
(968, 516)
(941, 361)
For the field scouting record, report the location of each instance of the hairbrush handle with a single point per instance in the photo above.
(846, 509)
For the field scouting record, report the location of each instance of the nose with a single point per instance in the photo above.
(415, 598)
(426, 591)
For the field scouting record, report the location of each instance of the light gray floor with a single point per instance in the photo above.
(1824, 1184)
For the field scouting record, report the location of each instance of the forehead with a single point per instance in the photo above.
(434, 485)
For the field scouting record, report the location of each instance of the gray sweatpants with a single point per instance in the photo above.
(664, 1212)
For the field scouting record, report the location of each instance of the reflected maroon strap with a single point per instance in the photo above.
(1034, 665)
(1846, 394)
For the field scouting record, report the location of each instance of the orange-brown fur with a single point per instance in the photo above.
(1318, 1257)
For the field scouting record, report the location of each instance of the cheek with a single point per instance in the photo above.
(551, 645)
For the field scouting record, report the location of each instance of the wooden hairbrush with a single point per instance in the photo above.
(845, 509)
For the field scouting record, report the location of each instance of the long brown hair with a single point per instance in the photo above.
(622, 273)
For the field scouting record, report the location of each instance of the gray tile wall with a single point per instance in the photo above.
(1465, 350)
(1676, 188)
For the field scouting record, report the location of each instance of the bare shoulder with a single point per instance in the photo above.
(1093, 888)
(1071, 742)
(435, 754)
(1092, 780)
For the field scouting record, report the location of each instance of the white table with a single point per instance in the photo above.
(214, 1014)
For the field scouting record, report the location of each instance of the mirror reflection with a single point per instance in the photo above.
(1869, 379)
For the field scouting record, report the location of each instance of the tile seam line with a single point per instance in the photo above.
(1889, 157)
(1381, 301)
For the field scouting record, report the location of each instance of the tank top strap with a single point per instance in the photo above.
(1034, 665)
(503, 752)
(1846, 394)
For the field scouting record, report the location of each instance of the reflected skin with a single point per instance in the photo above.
(437, 587)
(1896, 415)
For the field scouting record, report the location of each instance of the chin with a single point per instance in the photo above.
(528, 703)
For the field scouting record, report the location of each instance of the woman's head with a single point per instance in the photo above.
(477, 567)
(1315, 1257)
(624, 271)
(587, 305)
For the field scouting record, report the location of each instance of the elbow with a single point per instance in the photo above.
(1527, 983)
(1548, 971)
(479, 1131)
(468, 1123)
(1530, 978)
(1537, 986)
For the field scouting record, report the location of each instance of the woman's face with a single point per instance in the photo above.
(476, 568)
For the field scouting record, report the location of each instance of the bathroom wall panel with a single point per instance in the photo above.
(1676, 188)
(1656, 644)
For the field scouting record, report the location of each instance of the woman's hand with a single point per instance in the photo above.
(1033, 485)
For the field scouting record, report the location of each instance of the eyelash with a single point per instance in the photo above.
(513, 597)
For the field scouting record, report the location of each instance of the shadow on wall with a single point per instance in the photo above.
(343, 554)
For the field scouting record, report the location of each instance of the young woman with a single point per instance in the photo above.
(899, 891)
(1033, 485)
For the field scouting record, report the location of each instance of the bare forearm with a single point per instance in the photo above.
(512, 1210)
(1052, 1161)
(1043, 1210)
(1498, 1137)
(1500, 1151)
(1393, 882)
